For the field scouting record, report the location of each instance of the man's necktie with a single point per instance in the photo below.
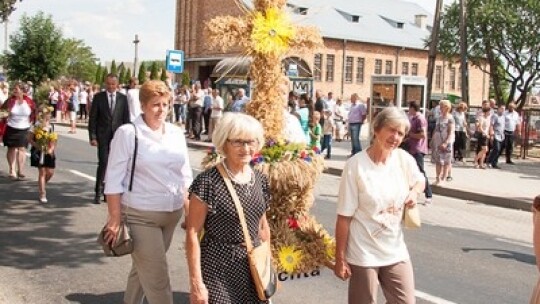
(112, 103)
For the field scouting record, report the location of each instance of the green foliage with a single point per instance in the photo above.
(41, 95)
(6, 8)
(81, 61)
(154, 71)
(185, 78)
(122, 76)
(37, 50)
(99, 74)
(104, 74)
(114, 69)
(128, 75)
(163, 75)
(498, 30)
(142, 73)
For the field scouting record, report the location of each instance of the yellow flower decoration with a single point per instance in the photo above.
(272, 32)
(38, 136)
(330, 248)
(289, 258)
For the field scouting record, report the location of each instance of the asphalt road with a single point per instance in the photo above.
(464, 253)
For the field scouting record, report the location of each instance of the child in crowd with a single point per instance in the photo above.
(43, 141)
(315, 130)
(328, 129)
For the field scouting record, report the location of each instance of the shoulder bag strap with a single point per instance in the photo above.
(249, 244)
(134, 158)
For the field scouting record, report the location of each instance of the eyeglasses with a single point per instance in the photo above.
(238, 143)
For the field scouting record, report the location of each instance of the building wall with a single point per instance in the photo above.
(192, 15)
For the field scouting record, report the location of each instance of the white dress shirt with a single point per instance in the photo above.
(162, 170)
(134, 104)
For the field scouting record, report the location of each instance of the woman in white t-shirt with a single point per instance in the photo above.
(376, 185)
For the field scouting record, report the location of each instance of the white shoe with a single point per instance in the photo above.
(428, 201)
(43, 199)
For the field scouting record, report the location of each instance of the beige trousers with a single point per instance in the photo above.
(213, 123)
(152, 233)
(397, 283)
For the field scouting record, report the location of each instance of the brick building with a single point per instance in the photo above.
(361, 38)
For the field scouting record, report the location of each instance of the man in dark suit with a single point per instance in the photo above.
(108, 112)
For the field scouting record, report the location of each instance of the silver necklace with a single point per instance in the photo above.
(234, 179)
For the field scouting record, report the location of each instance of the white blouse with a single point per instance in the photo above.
(374, 195)
(19, 117)
(162, 171)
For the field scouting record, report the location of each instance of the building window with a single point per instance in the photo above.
(378, 66)
(317, 67)
(452, 78)
(405, 68)
(330, 68)
(438, 77)
(349, 69)
(414, 69)
(388, 67)
(360, 70)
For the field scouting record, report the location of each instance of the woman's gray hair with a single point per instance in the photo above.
(237, 126)
(391, 116)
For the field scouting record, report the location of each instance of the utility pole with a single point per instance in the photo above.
(136, 42)
(463, 51)
(433, 49)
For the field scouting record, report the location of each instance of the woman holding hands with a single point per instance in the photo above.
(376, 185)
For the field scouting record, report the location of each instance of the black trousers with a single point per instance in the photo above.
(508, 145)
(196, 120)
(419, 158)
(103, 157)
(460, 144)
(206, 116)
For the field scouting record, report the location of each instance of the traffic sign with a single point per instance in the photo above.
(175, 61)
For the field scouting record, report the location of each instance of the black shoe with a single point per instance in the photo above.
(510, 162)
(96, 200)
(495, 167)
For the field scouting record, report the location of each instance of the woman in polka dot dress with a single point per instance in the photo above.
(218, 265)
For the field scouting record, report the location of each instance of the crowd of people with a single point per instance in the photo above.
(145, 176)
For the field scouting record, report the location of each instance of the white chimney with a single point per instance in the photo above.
(420, 21)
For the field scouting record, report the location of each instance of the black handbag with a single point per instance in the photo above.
(124, 242)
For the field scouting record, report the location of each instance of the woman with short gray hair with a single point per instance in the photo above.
(218, 266)
(376, 185)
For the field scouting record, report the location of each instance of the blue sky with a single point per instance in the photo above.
(109, 27)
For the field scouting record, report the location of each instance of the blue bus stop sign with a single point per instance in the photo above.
(175, 61)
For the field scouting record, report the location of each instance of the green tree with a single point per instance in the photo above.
(154, 71)
(114, 69)
(498, 32)
(122, 76)
(81, 61)
(37, 50)
(163, 74)
(104, 74)
(6, 8)
(99, 73)
(128, 75)
(185, 78)
(142, 73)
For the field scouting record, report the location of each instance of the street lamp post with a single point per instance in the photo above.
(136, 42)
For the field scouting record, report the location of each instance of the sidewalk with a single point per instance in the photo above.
(513, 186)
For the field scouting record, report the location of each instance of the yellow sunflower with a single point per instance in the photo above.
(289, 258)
(330, 248)
(272, 32)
